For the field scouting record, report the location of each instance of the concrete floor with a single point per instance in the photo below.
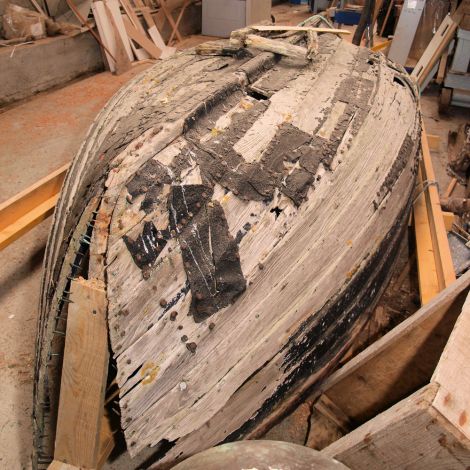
(36, 137)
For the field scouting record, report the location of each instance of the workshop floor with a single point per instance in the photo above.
(36, 137)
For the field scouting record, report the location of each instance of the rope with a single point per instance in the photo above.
(426, 185)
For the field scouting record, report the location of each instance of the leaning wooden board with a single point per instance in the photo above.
(244, 213)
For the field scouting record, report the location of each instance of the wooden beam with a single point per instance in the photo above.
(276, 47)
(435, 266)
(106, 446)
(39, 9)
(170, 19)
(384, 24)
(450, 188)
(453, 375)
(84, 370)
(153, 31)
(449, 218)
(443, 257)
(132, 16)
(441, 71)
(106, 441)
(427, 270)
(178, 20)
(122, 46)
(30, 207)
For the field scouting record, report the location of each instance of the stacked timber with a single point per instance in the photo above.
(242, 212)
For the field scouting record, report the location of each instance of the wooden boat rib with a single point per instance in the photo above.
(243, 213)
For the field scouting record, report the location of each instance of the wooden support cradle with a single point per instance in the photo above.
(430, 426)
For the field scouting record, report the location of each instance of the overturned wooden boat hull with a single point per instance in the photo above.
(243, 213)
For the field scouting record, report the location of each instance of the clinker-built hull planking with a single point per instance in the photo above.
(244, 213)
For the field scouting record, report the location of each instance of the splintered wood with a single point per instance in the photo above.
(247, 211)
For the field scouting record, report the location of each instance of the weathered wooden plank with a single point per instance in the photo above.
(84, 371)
(427, 269)
(277, 47)
(444, 264)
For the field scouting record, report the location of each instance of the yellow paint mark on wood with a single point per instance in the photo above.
(149, 372)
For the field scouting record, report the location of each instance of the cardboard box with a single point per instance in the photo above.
(221, 17)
